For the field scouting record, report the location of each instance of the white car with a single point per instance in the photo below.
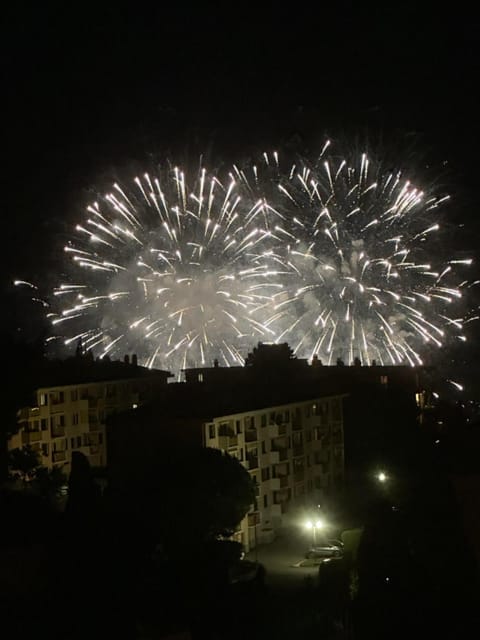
(328, 549)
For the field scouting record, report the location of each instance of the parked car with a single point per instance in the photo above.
(328, 549)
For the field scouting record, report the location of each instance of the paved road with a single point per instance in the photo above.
(292, 607)
(284, 561)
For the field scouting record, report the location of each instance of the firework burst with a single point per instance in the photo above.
(365, 277)
(340, 257)
(173, 271)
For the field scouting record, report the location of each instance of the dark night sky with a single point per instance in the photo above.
(89, 89)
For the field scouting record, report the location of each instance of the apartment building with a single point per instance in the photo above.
(294, 453)
(72, 417)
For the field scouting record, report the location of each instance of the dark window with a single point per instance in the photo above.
(264, 447)
(265, 500)
(265, 474)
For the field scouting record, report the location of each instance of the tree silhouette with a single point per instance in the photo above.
(25, 460)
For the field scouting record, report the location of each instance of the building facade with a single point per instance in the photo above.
(67, 418)
(293, 452)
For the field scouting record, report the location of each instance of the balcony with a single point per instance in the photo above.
(226, 441)
(299, 476)
(297, 425)
(26, 413)
(58, 432)
(275, 510)
(252, 462)
(251, 435)
(277, 430)
(31, 436)
(283, 481)
(272, 485)
(282, 453)
(266, 459)
(59, 456)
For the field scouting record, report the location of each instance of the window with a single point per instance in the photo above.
(308, 411)
(43, 399)
(240, 454)
(44, 424)
(100, 438)
(211, 431)
(200, 377)
(238, 426)
(61, 420)
(265, 500)
(74, 395)
(79, 441)
(287, 416)
(72, 443)
(75, 419)
(45, 449)
(272, 417)
(384, 380)
(264, 420)
(264, 446)
(250, 422)
(265, 474)
(309, 435)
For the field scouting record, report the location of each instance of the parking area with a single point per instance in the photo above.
(285, 562)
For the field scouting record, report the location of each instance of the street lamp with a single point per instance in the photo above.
(314, 526)
(382, 477)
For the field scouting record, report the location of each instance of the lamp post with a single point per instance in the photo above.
(314, 526)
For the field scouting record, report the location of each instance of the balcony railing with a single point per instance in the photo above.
(58, 432)
(277, 430)
(226, 441)
(283, 481)
(31, 436)
(273, 484)
(299, 476)
(252, 462)
(282, 453)
(267, 459)
(251, 435)
(59, 456)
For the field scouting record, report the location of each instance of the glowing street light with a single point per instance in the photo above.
(315, 526)
(382, 477)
